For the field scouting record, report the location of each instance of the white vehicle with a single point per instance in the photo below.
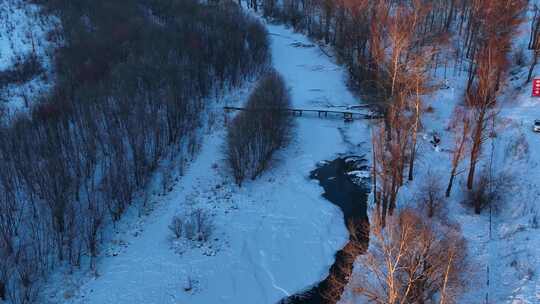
(536, 126)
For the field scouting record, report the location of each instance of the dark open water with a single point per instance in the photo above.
(350, 194)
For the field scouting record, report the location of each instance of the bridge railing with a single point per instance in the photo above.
(347, 115)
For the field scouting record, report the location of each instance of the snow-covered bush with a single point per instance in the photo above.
(518, 149)
(481, 195)
(177, 226)
(202, 225)
(431, 196)
(488, 191)
(196, 226)
(518, 56)
(254, 135)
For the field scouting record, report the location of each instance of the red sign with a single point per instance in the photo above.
(536, 87)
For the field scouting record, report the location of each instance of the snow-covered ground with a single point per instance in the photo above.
(513, 250)
(509, 245)
(504, 246)
(25, 30)
(273, 237)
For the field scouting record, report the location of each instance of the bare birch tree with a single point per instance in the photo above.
(412, 260)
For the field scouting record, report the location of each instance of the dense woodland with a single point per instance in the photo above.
(133, 80)
(394, 50)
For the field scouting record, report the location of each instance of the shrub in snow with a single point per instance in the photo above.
(481, 195)
(488, 191)
(197, 226)
(518, 56)
(190, 231)
(177, 226)
(254, 135)
(534, 221)
(202, 223)
(190, 285)
(431, 198)
(519, 148)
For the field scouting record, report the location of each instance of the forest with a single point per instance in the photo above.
(133, 80)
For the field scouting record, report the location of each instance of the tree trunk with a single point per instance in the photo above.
(450, 182)
(414, 137)
(375, 198)
(2, 291)
(475, 151)
(472, 168)
(533, 65)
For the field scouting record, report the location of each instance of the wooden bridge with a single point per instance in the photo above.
(347, 115)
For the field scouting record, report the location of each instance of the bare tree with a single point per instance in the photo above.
(418, 86)
(534, 41)
(412, 260)
(389, 158)
(500, 20)
(431, 197)
(460, 129)
(177, 226)
(401, 57)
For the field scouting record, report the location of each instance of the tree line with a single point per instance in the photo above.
(132, 82)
